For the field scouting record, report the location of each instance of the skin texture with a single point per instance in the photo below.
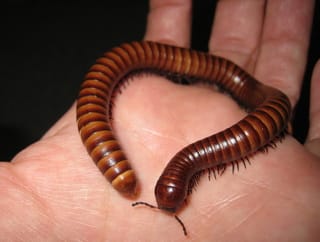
(53, 191)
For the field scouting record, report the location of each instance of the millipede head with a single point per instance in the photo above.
(169, 198)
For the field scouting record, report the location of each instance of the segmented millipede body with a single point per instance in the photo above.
(269, 112)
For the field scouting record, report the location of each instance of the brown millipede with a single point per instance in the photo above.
(268, 109)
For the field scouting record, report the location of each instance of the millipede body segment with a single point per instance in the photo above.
(269, 112)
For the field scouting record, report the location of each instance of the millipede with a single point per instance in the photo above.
(268, 114)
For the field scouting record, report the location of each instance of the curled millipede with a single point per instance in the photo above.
(269, 111)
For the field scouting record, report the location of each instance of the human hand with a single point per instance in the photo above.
(53, 191)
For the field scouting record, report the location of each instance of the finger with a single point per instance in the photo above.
(313, 139)
(284, 45)
(236, 30)
(169, 21)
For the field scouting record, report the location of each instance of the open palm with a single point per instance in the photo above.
(52, 190)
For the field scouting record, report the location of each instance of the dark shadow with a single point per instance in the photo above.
(301, 114)
(13, 139)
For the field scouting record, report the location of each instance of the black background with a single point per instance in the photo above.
(46, 48)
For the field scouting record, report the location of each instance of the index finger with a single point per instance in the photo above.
(169, 21)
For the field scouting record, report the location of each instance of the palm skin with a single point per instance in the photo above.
(52, 191)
